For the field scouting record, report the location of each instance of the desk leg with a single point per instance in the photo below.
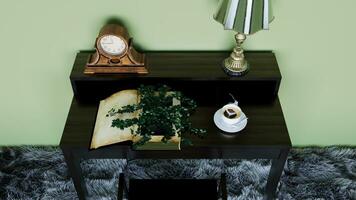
(75, 171)
(275, 174)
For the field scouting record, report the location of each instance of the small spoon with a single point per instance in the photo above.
(243, 119)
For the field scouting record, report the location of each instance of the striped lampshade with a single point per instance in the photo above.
(244, 16)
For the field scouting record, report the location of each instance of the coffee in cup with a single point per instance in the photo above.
(231, 113)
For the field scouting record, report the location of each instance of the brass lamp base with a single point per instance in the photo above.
(235, 68)
(236, 65)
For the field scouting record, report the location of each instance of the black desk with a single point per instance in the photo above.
(199, 76)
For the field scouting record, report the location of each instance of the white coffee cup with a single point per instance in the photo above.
(236, 109)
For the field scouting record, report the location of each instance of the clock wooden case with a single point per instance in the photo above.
(115, 53)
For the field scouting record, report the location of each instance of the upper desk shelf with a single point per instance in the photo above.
(197, 74)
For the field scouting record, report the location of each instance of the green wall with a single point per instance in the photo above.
(313, 40)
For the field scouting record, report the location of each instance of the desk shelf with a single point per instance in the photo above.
(197, 74)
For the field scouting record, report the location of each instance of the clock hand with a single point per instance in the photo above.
(107, 42)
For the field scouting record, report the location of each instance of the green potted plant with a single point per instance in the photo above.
(163, 118)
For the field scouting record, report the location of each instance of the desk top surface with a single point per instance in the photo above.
(266, 127)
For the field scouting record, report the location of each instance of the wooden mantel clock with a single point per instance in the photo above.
(115, 53)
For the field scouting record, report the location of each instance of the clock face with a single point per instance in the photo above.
(112, 45)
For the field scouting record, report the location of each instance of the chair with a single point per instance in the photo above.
(173, 189)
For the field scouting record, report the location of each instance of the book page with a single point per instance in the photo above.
(104, 134)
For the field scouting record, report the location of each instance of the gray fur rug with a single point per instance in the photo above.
(310, 173)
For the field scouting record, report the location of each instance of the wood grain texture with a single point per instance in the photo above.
(266, 130)
(191, 65)
(197, 74)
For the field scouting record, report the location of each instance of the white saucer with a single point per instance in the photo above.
(229, 128)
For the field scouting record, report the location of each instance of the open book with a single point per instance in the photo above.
(104, 134)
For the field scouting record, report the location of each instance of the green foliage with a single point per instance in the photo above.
(158, 115)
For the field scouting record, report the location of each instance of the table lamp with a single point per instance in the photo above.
(246, 17)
